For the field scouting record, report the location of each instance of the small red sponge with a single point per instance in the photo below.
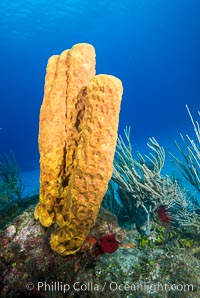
(108, 243)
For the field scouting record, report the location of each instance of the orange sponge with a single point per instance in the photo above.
(77, 138)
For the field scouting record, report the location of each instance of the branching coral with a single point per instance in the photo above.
(143, 186)
(140, 180)
(190, 167)
(185, 212)
(139, 177)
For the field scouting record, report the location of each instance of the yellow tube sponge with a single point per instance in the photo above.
(65, 76)
(77, 142)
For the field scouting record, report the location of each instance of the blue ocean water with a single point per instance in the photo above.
(153, 46)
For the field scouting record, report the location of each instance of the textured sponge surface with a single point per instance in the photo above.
(77, 138)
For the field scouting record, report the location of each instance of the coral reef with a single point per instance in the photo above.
(144, 190)
(163, 265)
(25, 255)
(77, 138)
(10, 210)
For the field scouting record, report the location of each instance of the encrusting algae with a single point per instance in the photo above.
(77, 139)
